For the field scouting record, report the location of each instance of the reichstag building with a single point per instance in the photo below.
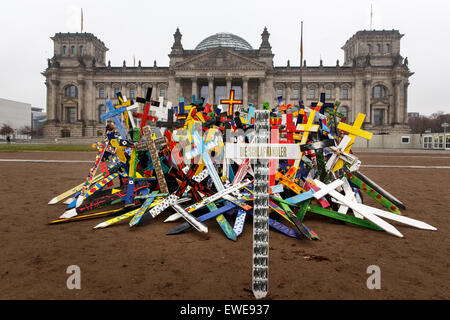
(372, 79)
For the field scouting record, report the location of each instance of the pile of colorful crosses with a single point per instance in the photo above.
(200, 162)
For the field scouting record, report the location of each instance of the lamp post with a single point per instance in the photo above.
(445, 126)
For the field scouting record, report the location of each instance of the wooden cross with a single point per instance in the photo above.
(148, 135)
(339, 153)
(231, 102)
(308, 127)
(145, 116)
(126, 115)
(333, 114)
(318, 151)
(170, 124)
(198, 103)
(353, 131)
(114, 113)
(290, 128)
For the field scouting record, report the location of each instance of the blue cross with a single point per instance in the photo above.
(114, 113)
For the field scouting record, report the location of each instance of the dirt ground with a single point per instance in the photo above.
(119, 263)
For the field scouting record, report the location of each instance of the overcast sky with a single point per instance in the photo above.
(145, 29)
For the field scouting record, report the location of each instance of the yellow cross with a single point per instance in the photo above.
(125, 114)
(353, 131)
(306, 128)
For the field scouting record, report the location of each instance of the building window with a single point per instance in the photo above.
(101, 110)
(72, 50)
(378, 117)
(377, 48)
(312, 93)
(101, 93)
(406, 139)
(388, 48)
(204, 92)
(295, 93)
(64, 50)
(379, 92)
(345, 93)
(81, 50)
(220, 93)
(65, 133)
(428, 142)
(327, 93)
(279, 92)
(368, 48)
(71, 92)
(116, 91)
(344, 111)
(132, 93)
(162, 92)
(71, 115)
(237, 92)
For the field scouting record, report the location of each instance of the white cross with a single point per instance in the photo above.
(368, 214)
(338, 153)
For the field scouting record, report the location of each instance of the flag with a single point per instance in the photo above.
(301, 47)
(81, 19)
(371, 16)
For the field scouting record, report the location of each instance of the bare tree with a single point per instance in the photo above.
(6, 129)
(432, 122)
(26, 130)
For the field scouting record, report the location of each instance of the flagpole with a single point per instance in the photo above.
(301, 64)
(81, 20)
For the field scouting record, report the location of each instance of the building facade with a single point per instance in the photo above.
(373, 79)
(15, 114)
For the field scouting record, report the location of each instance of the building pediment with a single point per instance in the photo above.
(220, 59)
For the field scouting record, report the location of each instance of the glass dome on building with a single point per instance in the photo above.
(224, 40)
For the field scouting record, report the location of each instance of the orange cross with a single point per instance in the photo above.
(231, 102)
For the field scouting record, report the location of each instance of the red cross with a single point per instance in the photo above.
(145, 115)
(290, 129)
(231, 102)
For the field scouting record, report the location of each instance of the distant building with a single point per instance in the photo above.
(373, 79)
(15, 114)
(413, 115)
(38, 119)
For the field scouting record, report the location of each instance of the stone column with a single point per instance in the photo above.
(211, 90)
(245, 91)
(178, 87)
(139, 89)
(288, 93)
(91, 104)
(397, 99)
(367, 86)
(195, 87)
(405, 102)
(228, 79)
(51, 99)
(108, 89)
(123, 89)
(261, 90)
(269, 90)
(337, 92)
(358, 98)
(391, 107)
(171, 95)
(81, 98)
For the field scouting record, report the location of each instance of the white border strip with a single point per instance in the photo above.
(37, 160)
